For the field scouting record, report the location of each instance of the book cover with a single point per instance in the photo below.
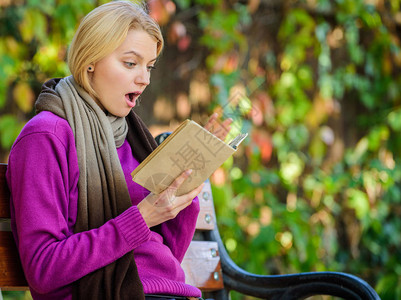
(190, 146)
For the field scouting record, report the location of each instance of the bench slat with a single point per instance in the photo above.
(206, 218)
(202, 267)
(4, 193)
(11, 274)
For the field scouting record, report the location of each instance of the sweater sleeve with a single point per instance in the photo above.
(42, 176)
(178, 232)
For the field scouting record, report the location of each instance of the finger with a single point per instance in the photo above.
(226, 128)
(211, 121)
(199, 189)
(180, 180)
(192, 194)
(185, 200)
(227, 122)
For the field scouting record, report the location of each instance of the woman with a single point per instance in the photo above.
(83, 228)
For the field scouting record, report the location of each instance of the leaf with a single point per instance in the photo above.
(291, 168)
(264, 144)
(46, 6)
(394, 119)
(9, 130)
(3, 90)
(24, 96)
(183, 4)
(298, 135)
(377, 136)
(34, 25)
(354, 156)
(358, 200)
(368, 99)
(387, 285)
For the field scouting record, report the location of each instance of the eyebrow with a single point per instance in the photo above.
(137, 54)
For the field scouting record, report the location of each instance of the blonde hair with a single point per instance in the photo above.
(102, 31)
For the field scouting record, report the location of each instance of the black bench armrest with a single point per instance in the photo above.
(292, 286)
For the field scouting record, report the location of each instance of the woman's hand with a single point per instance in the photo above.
(156, 209)
(219, 129)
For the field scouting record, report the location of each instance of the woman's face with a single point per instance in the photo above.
(121, 77)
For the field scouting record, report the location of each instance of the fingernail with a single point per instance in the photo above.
(189, 172)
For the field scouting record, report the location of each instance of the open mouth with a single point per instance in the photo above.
(131, 97)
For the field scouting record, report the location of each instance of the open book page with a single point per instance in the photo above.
(235, 142)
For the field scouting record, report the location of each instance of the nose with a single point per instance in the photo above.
(143, 77)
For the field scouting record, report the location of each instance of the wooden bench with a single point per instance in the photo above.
(11, 274)
(207, 264)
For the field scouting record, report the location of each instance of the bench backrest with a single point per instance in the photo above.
(202, 260)
(11, 274)
(201, 263)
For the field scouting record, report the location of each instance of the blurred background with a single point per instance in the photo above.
(315, 83)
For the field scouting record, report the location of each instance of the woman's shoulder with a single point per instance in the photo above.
(47, 123)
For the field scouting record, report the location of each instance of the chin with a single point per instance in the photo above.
(123, 115)
(120, 114)
(121, 110)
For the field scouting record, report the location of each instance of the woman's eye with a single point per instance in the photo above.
(150, 68)
(129, 64)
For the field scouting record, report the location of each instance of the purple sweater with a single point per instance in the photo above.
(43, 175)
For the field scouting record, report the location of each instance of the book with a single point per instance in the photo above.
(190, 146)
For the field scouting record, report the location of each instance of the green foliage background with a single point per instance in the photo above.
(316, 83)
